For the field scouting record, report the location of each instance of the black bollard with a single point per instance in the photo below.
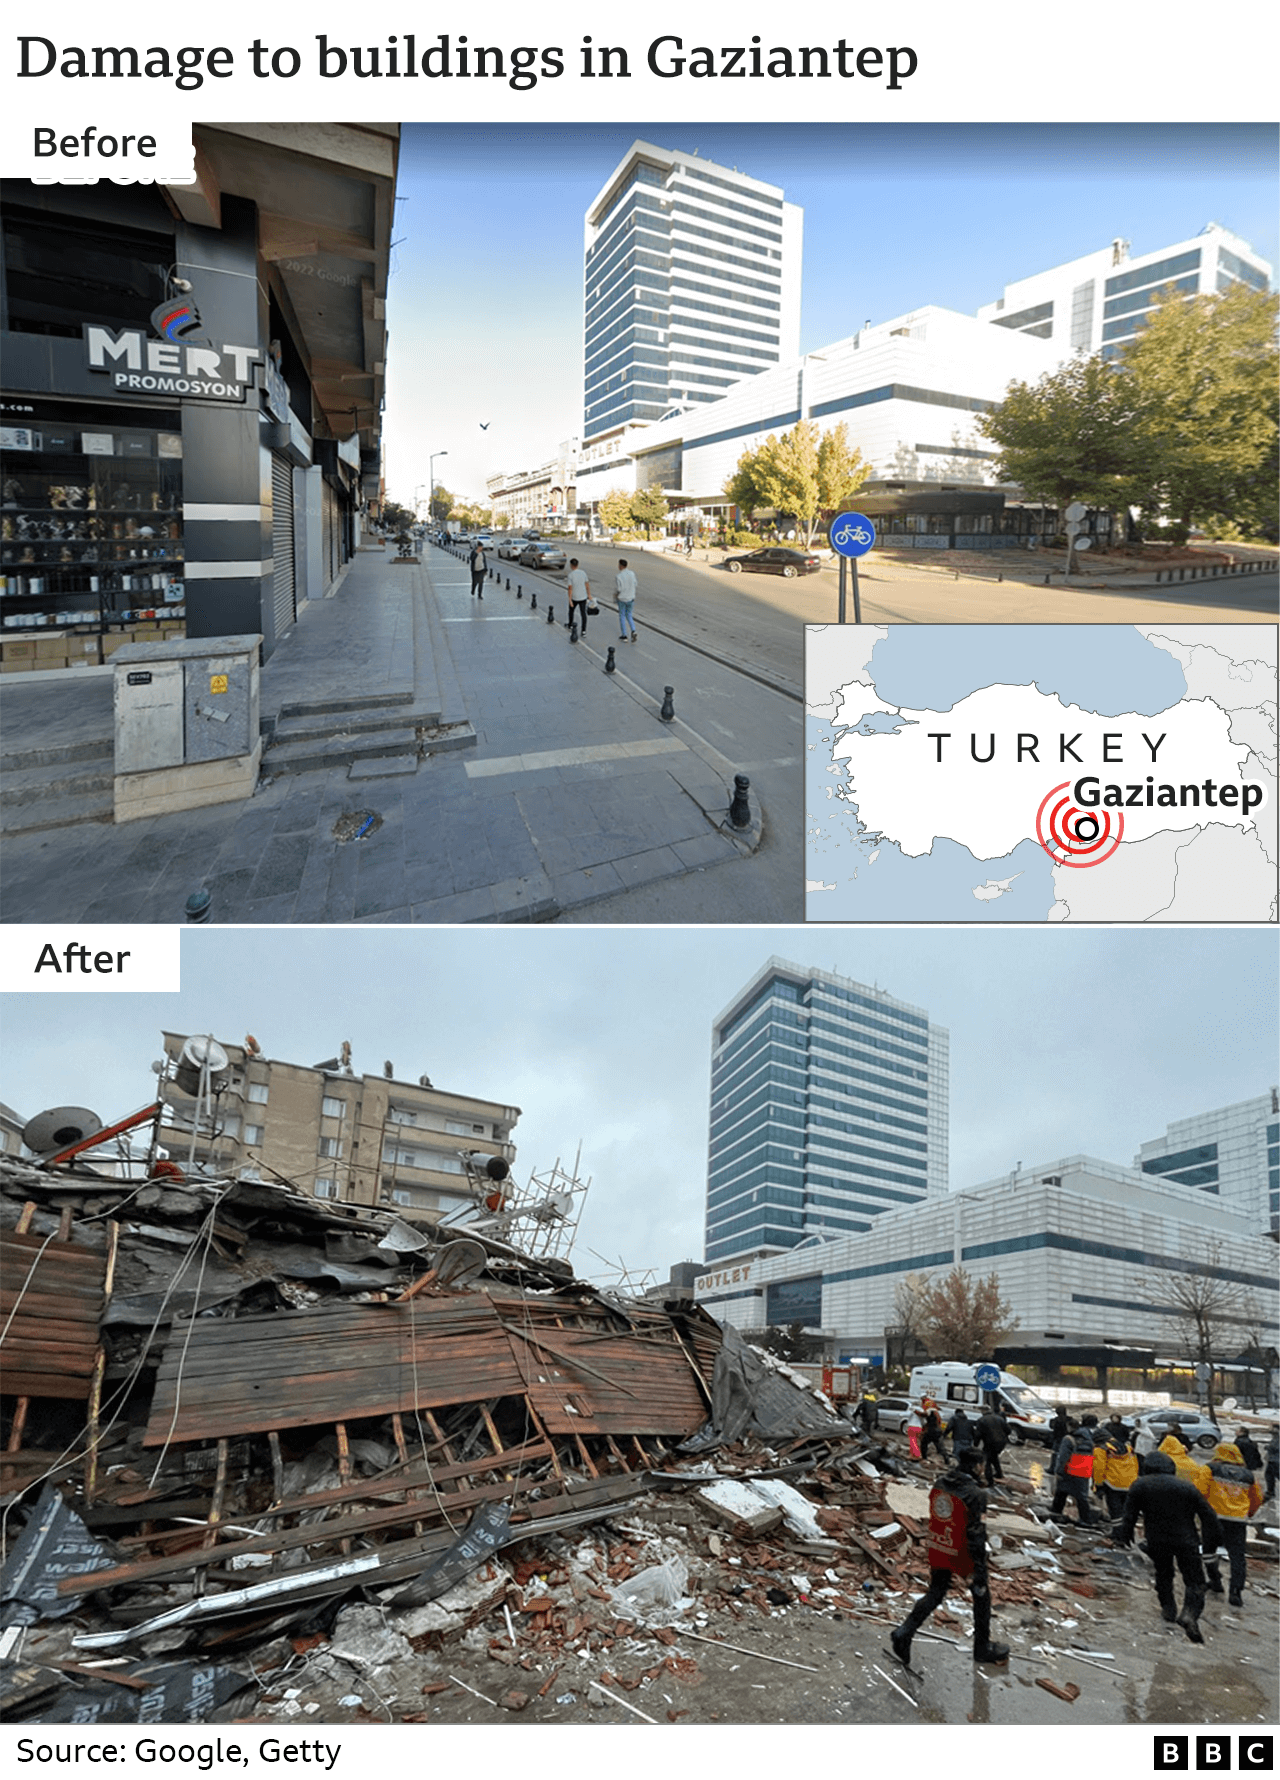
(573, 628)
(740, 808)
(508, 584)
(533, 599)
(668, 708)
(551, 614)
(199, 905)
(610, 666)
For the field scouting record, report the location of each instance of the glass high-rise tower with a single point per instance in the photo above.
(828, 1106)
(692, 281)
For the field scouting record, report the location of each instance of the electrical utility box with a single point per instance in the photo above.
(186, 723)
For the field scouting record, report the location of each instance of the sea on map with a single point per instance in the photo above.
(1041, 772)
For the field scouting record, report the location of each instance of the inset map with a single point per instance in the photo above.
(1041, 773)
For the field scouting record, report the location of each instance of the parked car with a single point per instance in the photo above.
(510, 548)
(543, 556)
(1191, 1427)
(893, 1412)
(775, 561)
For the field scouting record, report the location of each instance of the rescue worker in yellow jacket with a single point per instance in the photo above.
(1115, 1468)
(1188, 1469)
(1233, 1495)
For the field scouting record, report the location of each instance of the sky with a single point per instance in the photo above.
(485, 301)
(1062, 1042)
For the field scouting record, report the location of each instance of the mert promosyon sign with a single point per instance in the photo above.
(139, 365)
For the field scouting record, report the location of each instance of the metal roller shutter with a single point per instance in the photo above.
(283, 601)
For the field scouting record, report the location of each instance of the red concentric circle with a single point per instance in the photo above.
(1074, 836)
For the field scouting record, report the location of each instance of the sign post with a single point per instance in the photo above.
(851, 535)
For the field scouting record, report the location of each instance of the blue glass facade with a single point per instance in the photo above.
(821, 1093)
(683, 284)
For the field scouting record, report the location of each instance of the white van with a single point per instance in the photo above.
(954, 1386)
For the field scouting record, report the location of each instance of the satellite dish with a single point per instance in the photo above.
(460, 1265)
(60, 1126)
(402, 1239)
(195, 1054)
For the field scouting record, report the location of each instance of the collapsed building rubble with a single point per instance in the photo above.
(256, 1443)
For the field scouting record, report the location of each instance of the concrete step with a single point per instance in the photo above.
(58, 811)
(39, 784)
(319, 707)
(55, 754)
(321, 726)
(380, 744)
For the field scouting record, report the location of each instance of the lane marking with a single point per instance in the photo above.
(532, 763)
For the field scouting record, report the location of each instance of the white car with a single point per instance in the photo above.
(1191, 1427)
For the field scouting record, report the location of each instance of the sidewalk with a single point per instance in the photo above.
(574, 789)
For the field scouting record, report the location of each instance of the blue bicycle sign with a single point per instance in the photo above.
(852, 534)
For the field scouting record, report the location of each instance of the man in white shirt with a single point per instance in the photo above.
(625, 585)
(579, 594)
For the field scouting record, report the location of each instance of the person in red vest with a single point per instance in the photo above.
(957, 1547)
(1073, 1467)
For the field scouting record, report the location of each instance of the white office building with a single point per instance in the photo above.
(1083, 1251)
(910, 391)
(1232, 1154)
(1098, 302)
(691, 281)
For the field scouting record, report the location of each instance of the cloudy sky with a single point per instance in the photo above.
(485, 301)
(1062, 1041)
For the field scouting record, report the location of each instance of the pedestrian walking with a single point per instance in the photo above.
(932, 1432)
(962, 1434)
(1233, 1496)
(625, 589)
(1249, 1454)
(1272, 1468)
(1073, 1467)
(1177, 1521)
(957, 1547)
(479, 568)
(993, 1437)
(579, 594)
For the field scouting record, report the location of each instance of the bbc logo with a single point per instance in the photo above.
(1253, 1754)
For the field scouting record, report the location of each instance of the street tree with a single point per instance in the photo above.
(648, 507)
(1073, 436)
(842, 470)
(1211, 1310)
(395, 518)
(1203, 375)
(441, 504)
(963, 1318)
(615, 509)
(801, 473)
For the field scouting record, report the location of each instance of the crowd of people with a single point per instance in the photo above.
(1194, 1512)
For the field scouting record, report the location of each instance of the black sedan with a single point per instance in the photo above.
(775, 561)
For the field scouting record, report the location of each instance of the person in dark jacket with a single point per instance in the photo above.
(993, 1436)
(1249, 1454)
(479, 566)
(956, 1494)
(1060, 1426)
(962, 1434)
(1177, 1522)
(1114, 1429)
(1073, 1470)
(1273, 1463)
